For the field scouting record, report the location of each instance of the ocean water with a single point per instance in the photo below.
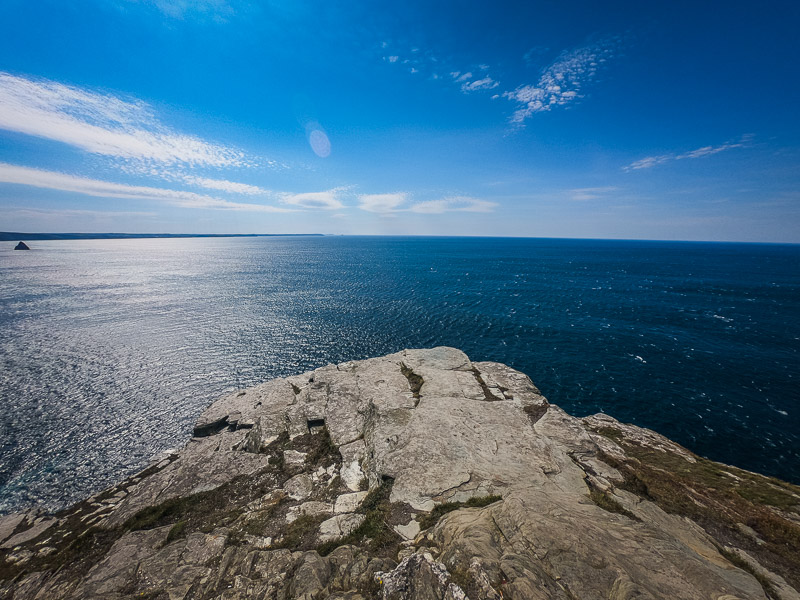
(109, 349)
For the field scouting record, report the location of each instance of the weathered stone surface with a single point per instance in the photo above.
(338, 526)
(418, 577)
(408, 531)
(580, 508)
(348, 502)
(352, 455)
(313, 509)
(38, 527)
(299, 487)
(294, 458)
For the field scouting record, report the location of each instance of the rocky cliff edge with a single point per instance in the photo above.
(418, 475)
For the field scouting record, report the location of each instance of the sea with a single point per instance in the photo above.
(110, 349)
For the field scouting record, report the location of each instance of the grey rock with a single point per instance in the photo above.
(34, 531)
(299, 487)
(347, 503)
(293, 458)
(339, 526)
(312, 508)
(464, 430)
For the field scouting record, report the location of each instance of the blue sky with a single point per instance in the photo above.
(650, 120)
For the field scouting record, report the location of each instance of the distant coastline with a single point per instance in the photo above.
(7, 236)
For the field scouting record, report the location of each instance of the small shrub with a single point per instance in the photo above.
(323, 451)
(375, 531)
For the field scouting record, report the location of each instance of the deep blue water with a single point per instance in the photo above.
(109, 349)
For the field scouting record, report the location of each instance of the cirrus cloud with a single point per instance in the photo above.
(389, 204)
(106, 189)
(327, 200)
(103, 124)
(649, 162)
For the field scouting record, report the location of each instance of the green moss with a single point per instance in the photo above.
(481, 501)
(607, 502)
(176, 531)
(301, 533)
(440, 510)
(615, 435)
(718, 497)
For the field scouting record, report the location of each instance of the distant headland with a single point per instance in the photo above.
(7, 236)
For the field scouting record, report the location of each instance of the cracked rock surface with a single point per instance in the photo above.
(417, 475)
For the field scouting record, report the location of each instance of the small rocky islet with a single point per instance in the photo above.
(417, 475)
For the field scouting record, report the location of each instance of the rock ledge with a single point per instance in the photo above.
(419, 474)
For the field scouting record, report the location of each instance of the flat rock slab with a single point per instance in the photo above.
(339, 526)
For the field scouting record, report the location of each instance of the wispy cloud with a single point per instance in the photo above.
(454, 204)
(58, 213)
(649, 162)
(105, 189)
(103, 124)
(224, 185)
(590, 193)
(485, 83)
(389, 204)
(327, 200)
(381, 203)
(218, 10)
(426, 62)
(562, 82)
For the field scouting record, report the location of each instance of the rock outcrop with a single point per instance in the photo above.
(418, 475)
(21, 246)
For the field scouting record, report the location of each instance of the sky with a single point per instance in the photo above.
(635, 120)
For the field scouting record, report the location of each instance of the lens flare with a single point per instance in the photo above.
(320, 143)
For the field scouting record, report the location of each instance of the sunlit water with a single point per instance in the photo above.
(110, 349)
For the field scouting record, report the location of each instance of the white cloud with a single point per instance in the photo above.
(652, 161)
(392, 59)
(224, 185)
(106, 189)
(390, 204)
(453, 204)
(381, 203)
(102, 124)
(487, 83)
(325, 200)
(562, 81)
